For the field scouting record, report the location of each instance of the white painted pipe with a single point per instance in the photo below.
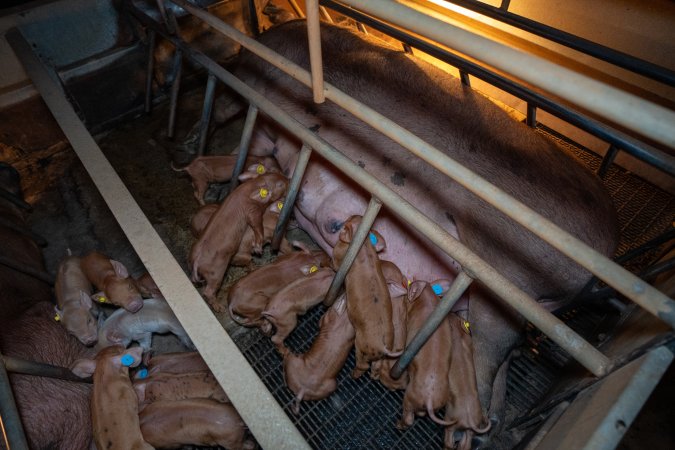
(315, 60)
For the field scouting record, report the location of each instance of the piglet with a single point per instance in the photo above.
(248, 297)
(211, 254)
(123, 327)
(74, 305)
(296, 299)
(218, 169)
(112, 279)
(114, 405)
(428, 387)
(312, 376)
(197, 421)
(174, 362)
(147, 286)
(398, 292)
(368, 300)
(179, 386)
(463, 405)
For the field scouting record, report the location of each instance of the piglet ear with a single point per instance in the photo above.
(131, 357)
(246, 175)
(377, 240)
(346, 233)
(83, 368)
(441, 287)
(415, 290)
(85, 300)
(277, 206)
(261, 195)
(395, 289)
(120, 270)
(340, 304)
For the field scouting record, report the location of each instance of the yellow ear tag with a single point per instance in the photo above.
(409, 283)
(57, 317)
(280, 205)
(260, 169)
(466, 326)
(313, 269)
(263, 192)
(101, 299)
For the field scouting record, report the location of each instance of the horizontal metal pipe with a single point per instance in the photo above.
(621, 59)
(648, 119)
(640, 150)
(354, 246)
(291, 195)
(11, 421)
(26, 367)
(244, 143)
(574, 344)
(256, 405)
(458, 287)
(622, 280)
(39, 240)
(30, 271)
(9, 196)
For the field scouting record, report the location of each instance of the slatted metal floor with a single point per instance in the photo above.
(362, 413)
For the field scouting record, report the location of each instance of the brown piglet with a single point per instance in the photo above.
(211, 254)
(112, 279)
(73, 298)
(312, 375)
(174, 362)
(428, 387)
(368, 299)
(178, 386)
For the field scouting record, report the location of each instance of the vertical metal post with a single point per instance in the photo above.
(206, 113)
(531, 115)
(361, 27)
(246, 134)
(464, 76)
(11, 421)
(407, 48)
(175, 87)
(315, 62)
(291, 195)
(459, 286)
(253, 13)
(505, 5)
(357, 241)
(167, 17)
(607, 161)
(325, 15)
(152, 36)
(296, 9)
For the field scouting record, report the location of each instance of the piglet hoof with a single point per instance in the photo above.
(356, 373)
(401, 425)
(257, 250)
(216, 307)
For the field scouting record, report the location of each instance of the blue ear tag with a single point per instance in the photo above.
(127, 360)
(143, 373)
(438, 290)
(373, 238)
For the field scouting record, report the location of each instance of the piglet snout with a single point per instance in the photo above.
(134, 305)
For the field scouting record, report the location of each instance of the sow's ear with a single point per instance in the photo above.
(83, 368)
(415, 290)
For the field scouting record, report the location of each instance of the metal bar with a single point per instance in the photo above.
(458, 287)
(628, 284)
(574, 344)
(206, 114)
(357, 241)
(253, 13)
(18, 201)
(296, 9)
(167, 17)
(531, 119)
(314, 36)
(630, 145)
(623, 60)
(607, 161)
(23, 268)
(244, 143)
(325, 15)
(177, 71)
(39, 240)
(291, 195)
(650, 120)
(26, 367)
(466, 81)
(11, 421)
(150, 71)
(361, 28)
(262, 414)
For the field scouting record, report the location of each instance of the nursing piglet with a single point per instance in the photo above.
(197, 421)
(428, 387)
(463, 405)
(312, 376)
(175, 362)
(74, 305)
(114, 405)
(112, 279)
(123, 327)
(218, 169)
(294, 300)
(179, 386)
(368, 300)
(398, 291)
(147, 286)
(211, 254)
(248, 297)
